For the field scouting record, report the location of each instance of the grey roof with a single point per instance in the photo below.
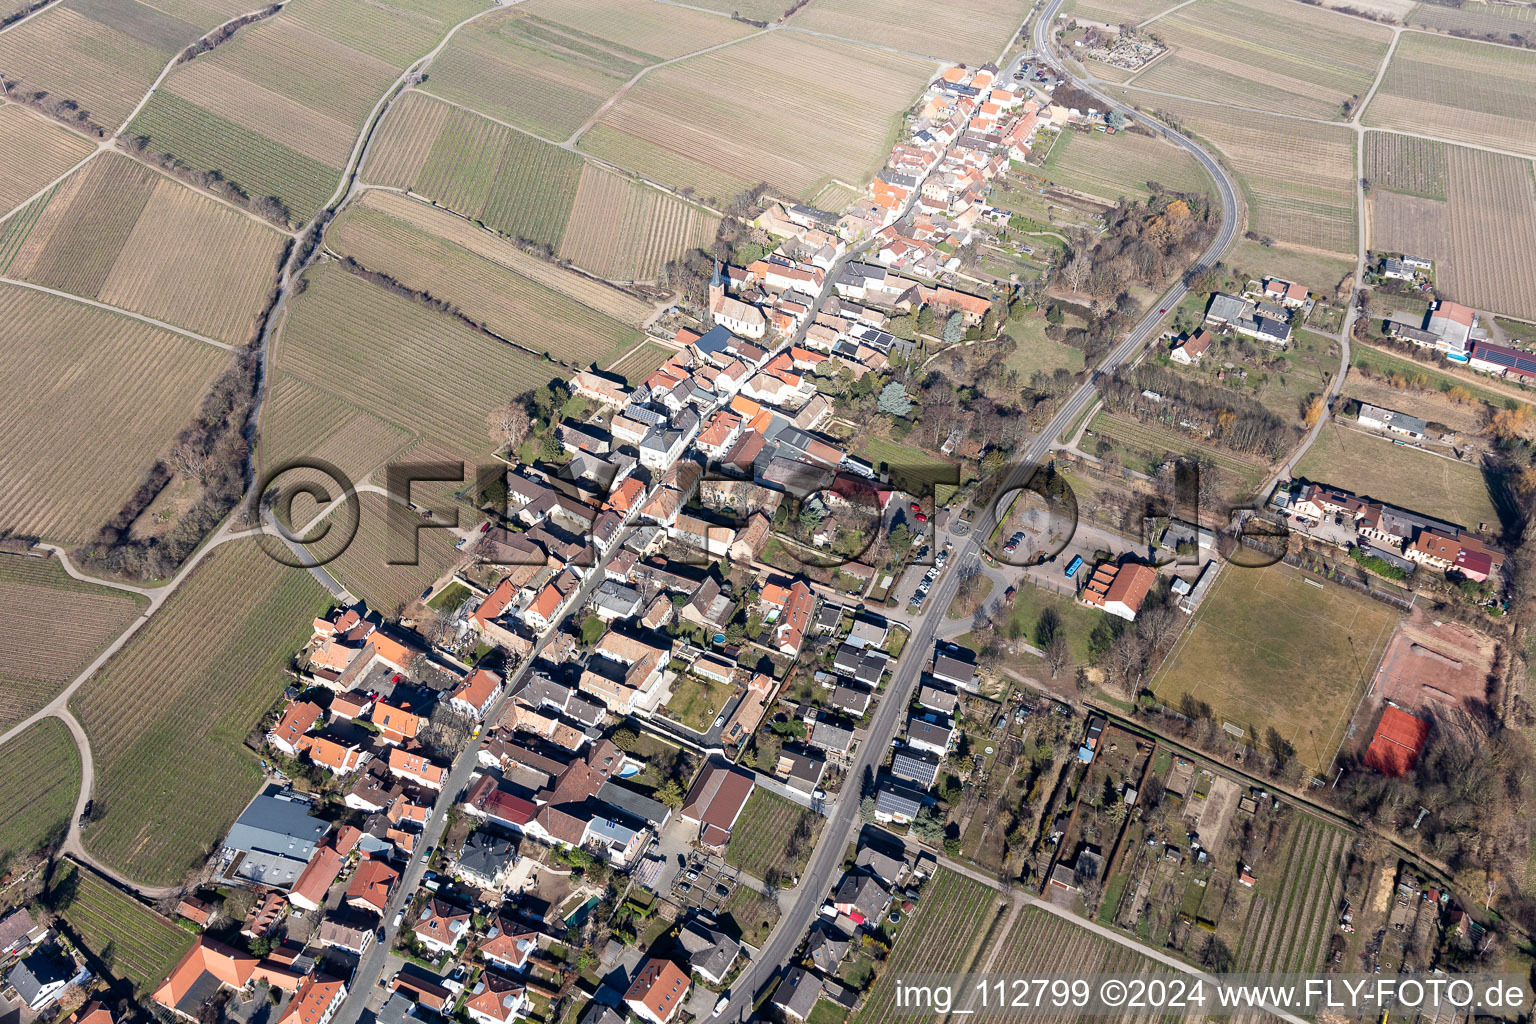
(598, 1013)
(880, 864)
(826, 947)
(35, 973)
(1226, 307)
(953, 670)
(864, 893)
(938, 697)
(805, 766)
(847, 659)
(636, 805)
(828, 735)
(14, 927)
(540, 690)
(897, 800)
(1393, 419)
(937, 733)
(711, 953)
(871, 668)
(278, 826)
(396, 1010)
(614, 596)
(486, 855)
(853, 699)
(798, 992)
(919, 766)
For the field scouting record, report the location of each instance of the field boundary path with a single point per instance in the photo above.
(120, 311)
(58, 707)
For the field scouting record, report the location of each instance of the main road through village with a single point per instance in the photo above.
(829, 852)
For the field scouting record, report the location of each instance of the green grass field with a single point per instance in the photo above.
(1386, 363)
(1076, 621)
(760, 838)
(696, 702)
(1120, 166)
(1273, 647)
(1367, 464)
(169, 714)
(1152, 443)
(39, 782)
(133, 941)
(53, 625)
(913, 469)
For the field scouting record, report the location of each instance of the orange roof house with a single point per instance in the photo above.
(338, 758)
(371, 885)
(625, 496)
(93, 1012)
(795, 619)
(496, 1000)
(441, 925)
(478, 693)
(1398, 742)
(658, 991)
(1120, 589)
(296, 721)
(416, 768)
(209, 966)
(396, 725)
(308, 893)
(317, 1000)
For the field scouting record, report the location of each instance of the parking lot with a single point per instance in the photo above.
(705, 882)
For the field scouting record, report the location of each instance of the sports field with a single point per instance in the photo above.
(117, 231)
(784, 108)
(1459, 90)
(1274, 647)
(39, 783)
(1307, 200)
(135, 942)
(169, 714)
(397, 361)
(90, 399)
(1366, 464)
(547, 65)
(51, 625)
(974, 32)
(1121, 165)
(1463, 208)
(1290, 59)
(486, 290)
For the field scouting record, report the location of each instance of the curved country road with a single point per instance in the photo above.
(827, 858)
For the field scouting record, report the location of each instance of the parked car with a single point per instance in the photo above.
(921, 517)
(915, 507)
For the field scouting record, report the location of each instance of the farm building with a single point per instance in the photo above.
(1377, 418)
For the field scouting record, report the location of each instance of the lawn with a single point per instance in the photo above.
(53, 625)
(1037, 353)
(697, 701)
(912, 469)
(39, 782)
(1119, 166)
(1077, 621)
(1273, 647)
(133, 941)
(169, 714)
(1373, 466)
(766, 836)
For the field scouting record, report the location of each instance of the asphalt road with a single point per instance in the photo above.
(827, 858)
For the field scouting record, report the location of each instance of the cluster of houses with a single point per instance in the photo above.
(1454, 331)
(884, 878)
(1266, 315)
(1406, 539)
(38, 966)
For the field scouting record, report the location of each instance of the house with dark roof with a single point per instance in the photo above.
(715, 801)
(38, 979)
(486, 860)
(710, 953)
(273, 840)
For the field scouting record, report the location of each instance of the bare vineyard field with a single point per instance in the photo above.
(1308, 199)
(90, 398)
(638, 364)
(140, 945)
(623, 230)
(1291, 912)
(33, 152)
(39, 781)
(975, 32)
(278, 108)
(420, 370)
(548, 65)
(1112, 167)
(299, 420)
(506, 180)
(261, 167)
(1042, 942)
(122, 233)
(198, 677)
(514, 307)
(1403, 163)
(364, 567)
(757, 10)
(1292, 58)
(77, 51)
(1116, 12)
(621, 306)
(789, 109)
(1489, 211)
(53, 626)
(954, 914)
(1496, 21)
(1460, 91)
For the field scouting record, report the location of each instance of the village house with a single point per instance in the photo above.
(1119, 589)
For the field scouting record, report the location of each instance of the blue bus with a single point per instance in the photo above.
(1076, 564)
